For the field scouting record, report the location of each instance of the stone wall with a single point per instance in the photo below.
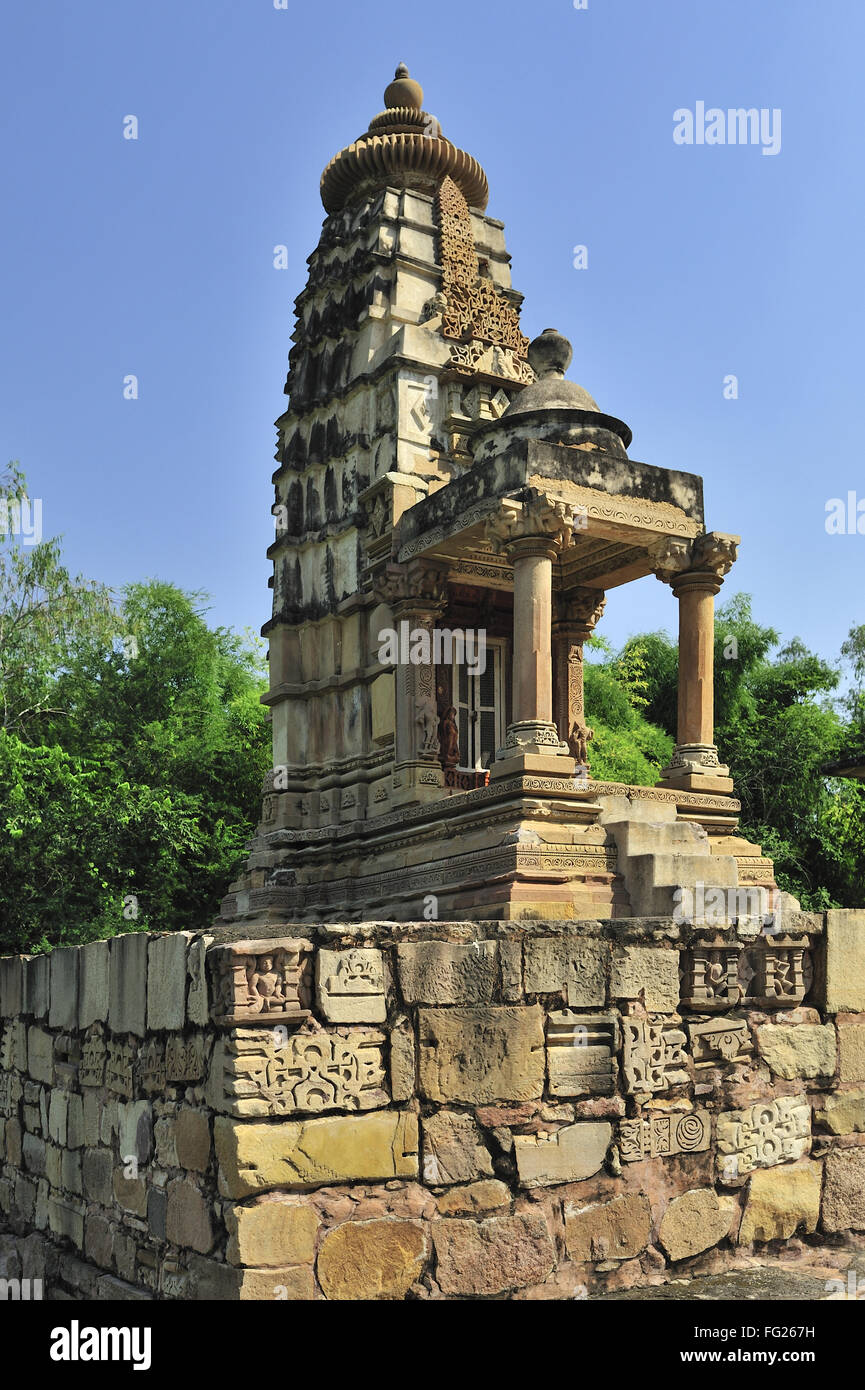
(446, 1110)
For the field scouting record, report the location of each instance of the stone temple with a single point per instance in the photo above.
(452, 1037)
(440, 477)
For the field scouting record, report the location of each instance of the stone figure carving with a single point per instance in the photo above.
(449, 738)
(578, 743)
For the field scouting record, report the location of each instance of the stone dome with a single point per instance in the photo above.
(557, 406)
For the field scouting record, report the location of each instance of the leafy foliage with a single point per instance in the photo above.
(132, 761)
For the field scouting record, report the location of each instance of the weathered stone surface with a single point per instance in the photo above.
(75, 1122)
(40, 1055)
(493, 1256)
(804, 1050)
(212, 1281)
(475, 1199)
(98, 1176)
(780, 1201)
(843, 1112)
(566, 965)
(342, 1148)
(11, 985)
(851, 1048)
(444, 972)
(197, 1004)
(135, 1127)
(647, 973)
(188, 1221)
(403, 1060)
(63, 1009)
(845, 960)
(694, 1222)
(127, 1006)
(166, 980)
(567, 1155)
(36, 986)
(66, 1218)
(482, 1055)
(616, 1230)
(271, 1233)
(372, 1259)
(94, 973)
(581, 1053)
(58, 1107)
(844, 1190)
(349, 986)
(192, 1141)
(453, 1149)
(130, 1193)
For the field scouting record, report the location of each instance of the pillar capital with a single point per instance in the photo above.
(418, 586)
(700, 563)
(538, 525)
(579, 610)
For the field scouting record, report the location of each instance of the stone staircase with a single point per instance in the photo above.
(658, 855)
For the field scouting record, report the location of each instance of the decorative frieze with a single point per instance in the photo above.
(657, 1136)
(581, 1053)
(770, 1132)
(259, 1073)
(719, 1041)
(654, 1056)
(261, 982)
(772, 973)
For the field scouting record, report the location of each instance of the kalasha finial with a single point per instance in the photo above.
(403, 91)
(550, 354)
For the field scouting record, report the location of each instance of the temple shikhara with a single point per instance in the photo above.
(439, 475)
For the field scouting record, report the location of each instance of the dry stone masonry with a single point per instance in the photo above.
(416, 1110)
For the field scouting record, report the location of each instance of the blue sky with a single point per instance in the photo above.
(155, 257)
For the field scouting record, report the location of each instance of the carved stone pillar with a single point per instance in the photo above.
(579, 611)
(695, 571)
(416, 594)
(532, 534)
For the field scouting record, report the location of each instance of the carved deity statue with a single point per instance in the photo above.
(449, 738)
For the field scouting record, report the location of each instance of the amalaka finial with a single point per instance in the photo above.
(403, 91)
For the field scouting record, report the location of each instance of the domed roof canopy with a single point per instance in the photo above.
(559, 410)
(403, 146)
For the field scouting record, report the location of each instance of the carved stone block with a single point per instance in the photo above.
(654, 1056)
(257, 1073)
(261, 982)
(770, 1132)
(581, 1053)
(719, 1041)
(350, 986)
(782, 974)
(118, 1068)
(711, 979)
(184, 1057)
(93, 1055)
(658, 1136)
(151, 1066)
